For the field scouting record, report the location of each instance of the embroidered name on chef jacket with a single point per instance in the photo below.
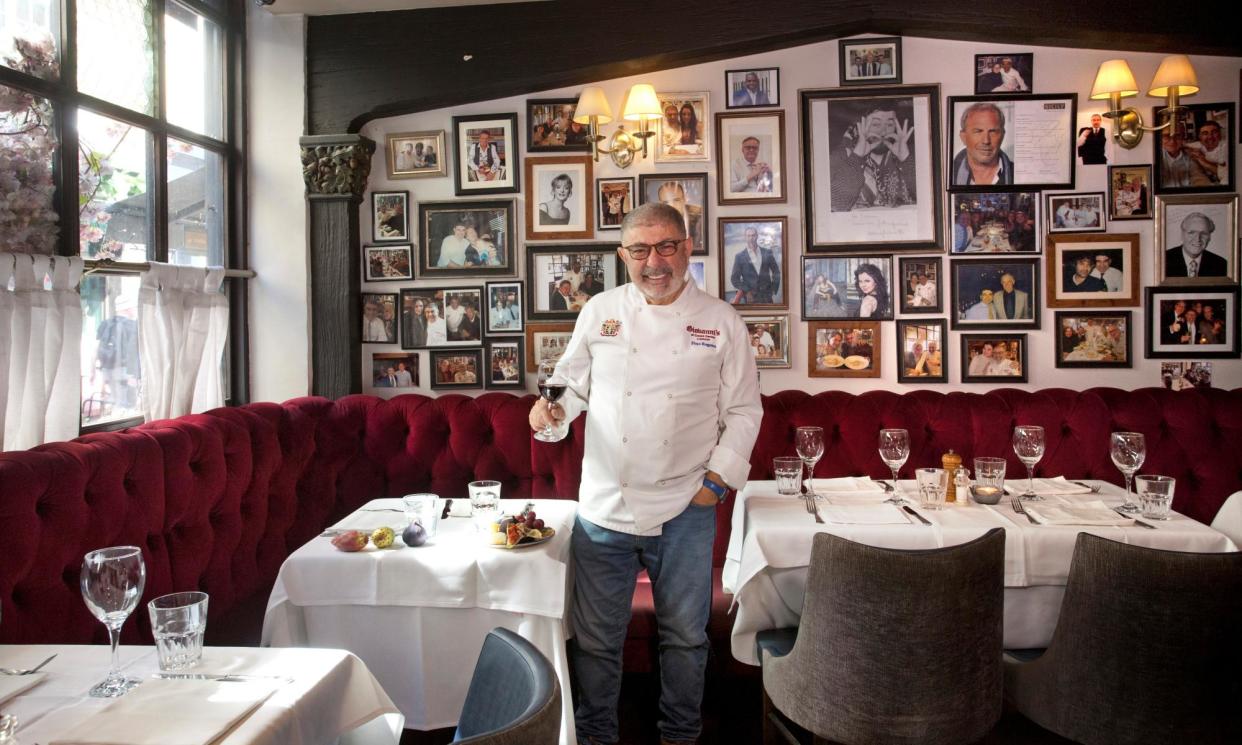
(611, 327)
(703, 337)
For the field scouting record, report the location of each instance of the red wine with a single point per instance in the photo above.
(552, 391)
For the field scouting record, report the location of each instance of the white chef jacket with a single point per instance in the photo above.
(670, 392)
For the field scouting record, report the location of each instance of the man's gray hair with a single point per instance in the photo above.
(654, 213)
(982, 106)
(1211, 225)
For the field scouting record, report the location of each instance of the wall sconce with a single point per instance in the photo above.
(1175, 78)
(640, 105)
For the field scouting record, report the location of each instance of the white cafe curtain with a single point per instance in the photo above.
(183, 321)
(40, 360)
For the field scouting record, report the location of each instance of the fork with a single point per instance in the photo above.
(815, 510)
(1017, 507)
(30, 671)
(1095, 489)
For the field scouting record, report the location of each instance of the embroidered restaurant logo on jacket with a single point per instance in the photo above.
(703, 337)
(611, 327)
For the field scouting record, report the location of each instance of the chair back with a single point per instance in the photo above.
(514, 696)
(896, 646)
(1229, 519)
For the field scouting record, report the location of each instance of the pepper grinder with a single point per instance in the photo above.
(950, 462)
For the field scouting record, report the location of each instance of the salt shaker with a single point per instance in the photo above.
(962, 482)
(950, 462)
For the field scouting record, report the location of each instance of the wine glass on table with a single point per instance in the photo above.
(552, 386)
(112, 582)
(809, 442)
(1128, 450)
(894, 450)
(1028, 445)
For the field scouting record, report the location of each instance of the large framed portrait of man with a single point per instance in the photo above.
(466, 239)
(684, 192)
(684, 132)
(561, 278)
(1011, 144)
(1196, 239)
(1194, 154)
(871, 168)
(485, 155)
(750, 157)
(752, 262)
(995, 294)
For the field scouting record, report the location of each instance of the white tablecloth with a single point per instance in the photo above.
(331, 694)
(770, 546)
(418, 616)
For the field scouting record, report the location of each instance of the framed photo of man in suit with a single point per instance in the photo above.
(870, 61)
(757, 87)
(485, 154)
(1198, 322)
(561, 278)
(1196, 239)
(995, 294)
(750, 157)
(752, 262)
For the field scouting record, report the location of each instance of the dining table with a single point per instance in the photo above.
(770, 544)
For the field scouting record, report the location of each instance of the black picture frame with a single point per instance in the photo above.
(772, 235)
(969, 341)
(990, 216)
(546, 268)
(549, 131)
(493, 222)
(1196, 179)
(387, 313)
(388, 262)
(1068, 222)
(1159, 338)
(736, 95)
(433, 332)
(1033, 108)
(625, 189)
(840, 299)
(1138, 207)
(1104, 347)
(924, 332)
(505, 126)
(693, 204)
(381, 361)
(508, 325)
(969, 278)
(499, 379)
(931, 267)
(464, 356)
(386, 227)
(848, 60)
(990, 82)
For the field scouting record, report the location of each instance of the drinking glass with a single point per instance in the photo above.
(1155, 493)
(1028, 445)
(788, 475)
(552, 386)
(933, 482)
(809, 442)
(423, 509)
(989, 480)
(894, 450)
(1128, 450)
(112, 581)
(178, 621)
(484, 504)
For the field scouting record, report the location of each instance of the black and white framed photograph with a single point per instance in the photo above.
(920, 351)
(1198, 322)
(1080, 212)
(456, 368)
(1196, 239)
(847, 287)
(1093, 271)
(750, 157)
(752, 262)
(485, 155)
(995, 222)
(1129, 193)
(999, 359)
(1094, 143)
(1025, 143)
(1012, 73)
(615, 199)
(685, 128)
(561, 278)
(550, 126)
(1194, 153)
(394, 370)
(546, 342)
(504, 308)
(870, 61)
(1095, 338)
(417, 155)
(769, 340)
(684, 192)
(921, 284)
(558, 202)
(746, 89)
(388, 263)
(390, 219)
(379, 317)
(506, 363)
(466, 239)
(441, 317)
(995, 294)
(871, 168)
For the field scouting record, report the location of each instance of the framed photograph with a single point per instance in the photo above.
(1094, 143)
(920, 351)
(870, 61)
(1194, 153)
(389, 219)
(752, 262)
(1197, 239)
(546, 342)
(880, 186)
(394, 370)
(485, 155)
(920, 283)
(504, 308)
(441, 317)
(683, 132)
(750, 151)
(466, 239)
(995, 222)
(551, 127)
(1093, 338)
(769, 340)
(416, 155)
(994, 358)
(1178, 376)
(698, 271)
(1004, 74)
(1076, 213)
(995, 294)
(686, 193)
(746, 89)
(506, 361)
(456, 368)
(1093, 271)
(388, 263)
(561, 278)
(1129, 193)
(615, 199)
(847, 287)
(990, 132)
(1199, 322)
(843, 349)
(379, 318)
(558, 204)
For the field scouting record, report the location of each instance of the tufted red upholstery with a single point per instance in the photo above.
(218, 500)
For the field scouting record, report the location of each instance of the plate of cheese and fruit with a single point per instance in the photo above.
(520, 531)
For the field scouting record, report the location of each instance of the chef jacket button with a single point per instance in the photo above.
(674, 351)
(625, 483)
(629, 393)
(633, 350)
(669, 395)
(666, 442)
(625, 439)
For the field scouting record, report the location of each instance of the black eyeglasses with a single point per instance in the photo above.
(640, 251)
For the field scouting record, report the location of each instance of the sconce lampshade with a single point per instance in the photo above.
(592, 102)
(641, 103)
(1175, 72)
(1114, 76)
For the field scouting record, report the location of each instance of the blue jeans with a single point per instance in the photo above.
(606, 565)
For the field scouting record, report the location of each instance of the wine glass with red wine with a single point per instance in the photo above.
(552, 386)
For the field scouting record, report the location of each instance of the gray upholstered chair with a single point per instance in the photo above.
(1147, 649)
(514, 696)
(893, 646)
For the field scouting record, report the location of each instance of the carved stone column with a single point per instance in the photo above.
(335, 169)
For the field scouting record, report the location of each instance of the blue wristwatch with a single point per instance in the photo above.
(717, 489)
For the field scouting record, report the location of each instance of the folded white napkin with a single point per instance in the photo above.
(1044, 487)
(848, 484)
(1094, 512)
(170, 712)
(12, 685)
(863, 514)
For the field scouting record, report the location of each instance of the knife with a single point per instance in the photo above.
(1137, 521)
(229, 678)
(910, 510)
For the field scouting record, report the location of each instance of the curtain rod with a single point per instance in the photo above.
(110, 266)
